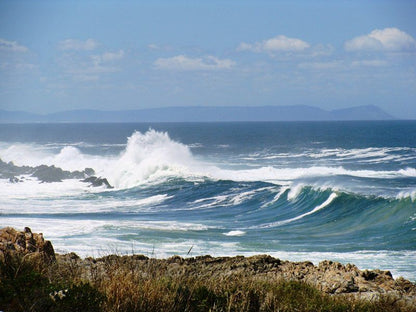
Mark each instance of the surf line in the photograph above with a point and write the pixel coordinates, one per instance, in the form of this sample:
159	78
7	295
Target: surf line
317	208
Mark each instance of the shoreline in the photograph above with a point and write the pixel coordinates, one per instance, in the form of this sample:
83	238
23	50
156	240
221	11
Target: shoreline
330	278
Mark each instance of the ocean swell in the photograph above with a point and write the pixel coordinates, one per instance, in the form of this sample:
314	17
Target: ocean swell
153	157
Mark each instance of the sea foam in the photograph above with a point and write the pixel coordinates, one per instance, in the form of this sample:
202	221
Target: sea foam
153	157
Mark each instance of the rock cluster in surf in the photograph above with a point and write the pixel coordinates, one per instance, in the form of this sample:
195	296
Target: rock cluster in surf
48	174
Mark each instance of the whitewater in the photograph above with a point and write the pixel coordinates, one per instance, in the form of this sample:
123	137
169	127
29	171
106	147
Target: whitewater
344	191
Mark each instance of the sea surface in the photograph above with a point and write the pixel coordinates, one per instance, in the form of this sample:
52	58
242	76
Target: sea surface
344	191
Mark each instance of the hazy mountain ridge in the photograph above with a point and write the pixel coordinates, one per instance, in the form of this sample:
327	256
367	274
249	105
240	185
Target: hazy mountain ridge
204	114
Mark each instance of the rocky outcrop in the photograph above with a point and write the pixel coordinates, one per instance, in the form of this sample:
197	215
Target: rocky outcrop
25	243
55	174
43	173
47	174
330	277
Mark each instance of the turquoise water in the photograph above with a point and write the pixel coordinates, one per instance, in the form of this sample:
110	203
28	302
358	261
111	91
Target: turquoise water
343	191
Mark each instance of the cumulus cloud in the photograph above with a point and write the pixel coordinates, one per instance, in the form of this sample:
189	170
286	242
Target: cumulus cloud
342	65
182	62
153	46
321	50
369	63
87	72
157	47
387	39
322	65
12	46
92	67
78	45
108	57
279	43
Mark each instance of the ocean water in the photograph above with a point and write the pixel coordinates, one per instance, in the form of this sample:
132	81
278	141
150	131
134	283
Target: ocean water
344	191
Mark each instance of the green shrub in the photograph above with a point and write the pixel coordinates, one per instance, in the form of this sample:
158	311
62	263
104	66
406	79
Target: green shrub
24	287
77	298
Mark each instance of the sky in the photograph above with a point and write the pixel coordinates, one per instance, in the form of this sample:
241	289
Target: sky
113	55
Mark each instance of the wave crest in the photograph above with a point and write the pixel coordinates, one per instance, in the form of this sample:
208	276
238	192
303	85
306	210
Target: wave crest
148	156
153	157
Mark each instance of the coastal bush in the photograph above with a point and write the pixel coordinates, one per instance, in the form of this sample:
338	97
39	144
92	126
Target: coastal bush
77	298
136	283
24	286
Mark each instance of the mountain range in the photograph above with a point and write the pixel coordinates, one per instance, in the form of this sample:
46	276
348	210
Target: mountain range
202	114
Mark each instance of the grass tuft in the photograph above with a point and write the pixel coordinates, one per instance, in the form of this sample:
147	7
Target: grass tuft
136	283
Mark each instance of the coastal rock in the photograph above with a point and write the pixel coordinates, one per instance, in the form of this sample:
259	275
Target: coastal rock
55	174
95	181
25	242
43	173
330	277
10	171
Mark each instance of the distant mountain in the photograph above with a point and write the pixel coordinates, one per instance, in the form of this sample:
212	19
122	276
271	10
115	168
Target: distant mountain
204	114
368	112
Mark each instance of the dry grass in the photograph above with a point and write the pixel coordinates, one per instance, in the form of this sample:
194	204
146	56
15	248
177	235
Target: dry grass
137	284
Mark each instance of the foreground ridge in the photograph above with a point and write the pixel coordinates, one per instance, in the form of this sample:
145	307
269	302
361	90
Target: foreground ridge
257	283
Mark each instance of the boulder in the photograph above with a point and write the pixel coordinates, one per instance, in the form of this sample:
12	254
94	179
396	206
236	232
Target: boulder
25	242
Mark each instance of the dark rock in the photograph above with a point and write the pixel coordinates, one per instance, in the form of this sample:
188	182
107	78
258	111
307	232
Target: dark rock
95	181
72	256
49	173
43	173
10	170
139	257
47	248
176	259
14	180
369	275
89	171
351	286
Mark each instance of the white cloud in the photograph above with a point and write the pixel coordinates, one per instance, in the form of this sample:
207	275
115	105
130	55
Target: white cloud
182	62
322	65
90	68
78	45
25	66
322	50
112	56
387	39
279	43
15	67
87	71
153	46
107	57
157	47
342	65
13	46
369	63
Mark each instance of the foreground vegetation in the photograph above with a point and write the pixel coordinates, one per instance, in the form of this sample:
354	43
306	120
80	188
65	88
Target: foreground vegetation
29	283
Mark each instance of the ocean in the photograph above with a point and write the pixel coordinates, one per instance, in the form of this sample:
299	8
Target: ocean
343	191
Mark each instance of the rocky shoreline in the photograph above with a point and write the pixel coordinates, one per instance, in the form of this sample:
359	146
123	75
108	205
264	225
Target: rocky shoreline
329	277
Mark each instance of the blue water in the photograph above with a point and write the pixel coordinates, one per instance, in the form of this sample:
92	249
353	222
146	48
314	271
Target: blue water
344	191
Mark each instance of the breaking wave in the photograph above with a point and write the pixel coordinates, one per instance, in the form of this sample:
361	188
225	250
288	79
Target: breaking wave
153	157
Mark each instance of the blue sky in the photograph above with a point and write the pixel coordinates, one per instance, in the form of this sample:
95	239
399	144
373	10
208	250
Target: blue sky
109	55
